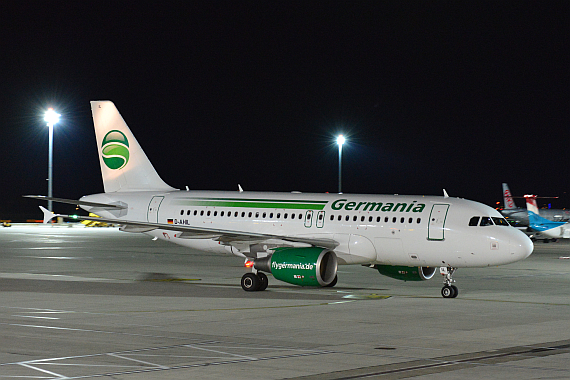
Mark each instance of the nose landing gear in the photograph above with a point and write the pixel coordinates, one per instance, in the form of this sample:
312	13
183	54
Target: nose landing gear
448	290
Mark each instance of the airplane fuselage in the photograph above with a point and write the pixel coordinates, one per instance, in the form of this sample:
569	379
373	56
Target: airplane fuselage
367	229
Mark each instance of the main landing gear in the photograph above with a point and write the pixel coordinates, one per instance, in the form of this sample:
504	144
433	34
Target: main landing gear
251	282
448	290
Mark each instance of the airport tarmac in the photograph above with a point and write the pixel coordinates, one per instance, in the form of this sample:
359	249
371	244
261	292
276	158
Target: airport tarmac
90	302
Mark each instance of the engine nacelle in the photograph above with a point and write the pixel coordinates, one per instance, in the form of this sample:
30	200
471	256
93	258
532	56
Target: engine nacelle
310	266
406	273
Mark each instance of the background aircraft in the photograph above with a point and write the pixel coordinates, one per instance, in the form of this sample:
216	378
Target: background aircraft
550	229
516	214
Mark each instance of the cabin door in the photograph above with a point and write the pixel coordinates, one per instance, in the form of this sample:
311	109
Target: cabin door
436	228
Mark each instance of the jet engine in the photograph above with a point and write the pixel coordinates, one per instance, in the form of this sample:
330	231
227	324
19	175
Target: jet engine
310	266
406	273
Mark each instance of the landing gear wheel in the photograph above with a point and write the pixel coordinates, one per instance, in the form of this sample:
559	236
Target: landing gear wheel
455	291
333	282
448	291
263	281
250	282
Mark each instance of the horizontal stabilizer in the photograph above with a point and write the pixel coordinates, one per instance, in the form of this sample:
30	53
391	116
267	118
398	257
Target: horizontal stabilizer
48	215
77	202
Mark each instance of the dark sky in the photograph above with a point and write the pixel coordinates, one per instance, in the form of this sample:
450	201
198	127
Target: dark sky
461	95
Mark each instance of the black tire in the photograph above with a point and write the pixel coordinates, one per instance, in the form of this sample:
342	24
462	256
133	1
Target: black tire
263	281
250	282
447	291
455	291
333	282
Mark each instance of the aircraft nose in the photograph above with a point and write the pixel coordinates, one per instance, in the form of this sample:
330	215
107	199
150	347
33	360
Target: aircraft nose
521	246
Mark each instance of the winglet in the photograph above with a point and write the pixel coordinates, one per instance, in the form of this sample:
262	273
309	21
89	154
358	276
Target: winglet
48	215
445	195
239	188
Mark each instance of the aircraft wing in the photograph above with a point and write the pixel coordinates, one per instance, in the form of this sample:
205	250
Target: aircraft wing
191	232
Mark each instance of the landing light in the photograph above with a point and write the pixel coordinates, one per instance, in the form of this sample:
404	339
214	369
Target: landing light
249	264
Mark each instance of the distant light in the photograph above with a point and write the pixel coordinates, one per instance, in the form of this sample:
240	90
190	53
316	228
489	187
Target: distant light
340	140
51	117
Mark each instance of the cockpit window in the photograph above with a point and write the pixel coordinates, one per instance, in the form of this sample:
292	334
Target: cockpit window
486	221
500	221
474	221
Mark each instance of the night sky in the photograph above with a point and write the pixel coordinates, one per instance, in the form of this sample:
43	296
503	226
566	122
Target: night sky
461	95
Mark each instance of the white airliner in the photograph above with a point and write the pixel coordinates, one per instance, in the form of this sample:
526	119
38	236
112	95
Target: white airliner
554	230
299	238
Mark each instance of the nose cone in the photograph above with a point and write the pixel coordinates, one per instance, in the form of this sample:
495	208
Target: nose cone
521	246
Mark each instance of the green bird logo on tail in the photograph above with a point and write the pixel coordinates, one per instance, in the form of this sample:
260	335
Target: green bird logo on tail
115	150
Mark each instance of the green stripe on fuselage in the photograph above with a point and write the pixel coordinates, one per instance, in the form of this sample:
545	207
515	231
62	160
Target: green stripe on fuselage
251	203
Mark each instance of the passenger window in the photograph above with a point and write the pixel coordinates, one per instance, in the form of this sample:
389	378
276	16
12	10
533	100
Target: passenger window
402	219
243	214
370	219
285	216
181	212
195	212
188	212
300	216
222	213
278	215
354	218
271	216
347	218
264	215
202	213
486	221
209	212
340	218
474	221
386	220
362	218
249	214
215	213
257	214
378	219
411	220
419	220
394	219
332	217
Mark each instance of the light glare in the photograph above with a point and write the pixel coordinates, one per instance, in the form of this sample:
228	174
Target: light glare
51	116
340	140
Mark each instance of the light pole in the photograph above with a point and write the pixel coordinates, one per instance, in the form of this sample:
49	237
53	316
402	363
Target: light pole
52	118
340	140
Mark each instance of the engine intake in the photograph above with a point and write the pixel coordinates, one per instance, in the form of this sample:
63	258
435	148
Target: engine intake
310	266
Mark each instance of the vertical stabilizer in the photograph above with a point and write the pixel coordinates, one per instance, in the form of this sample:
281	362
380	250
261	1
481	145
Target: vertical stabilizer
124	165
508	198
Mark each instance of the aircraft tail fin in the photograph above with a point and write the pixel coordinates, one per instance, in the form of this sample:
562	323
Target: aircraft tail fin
124	165
535	221
508	198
